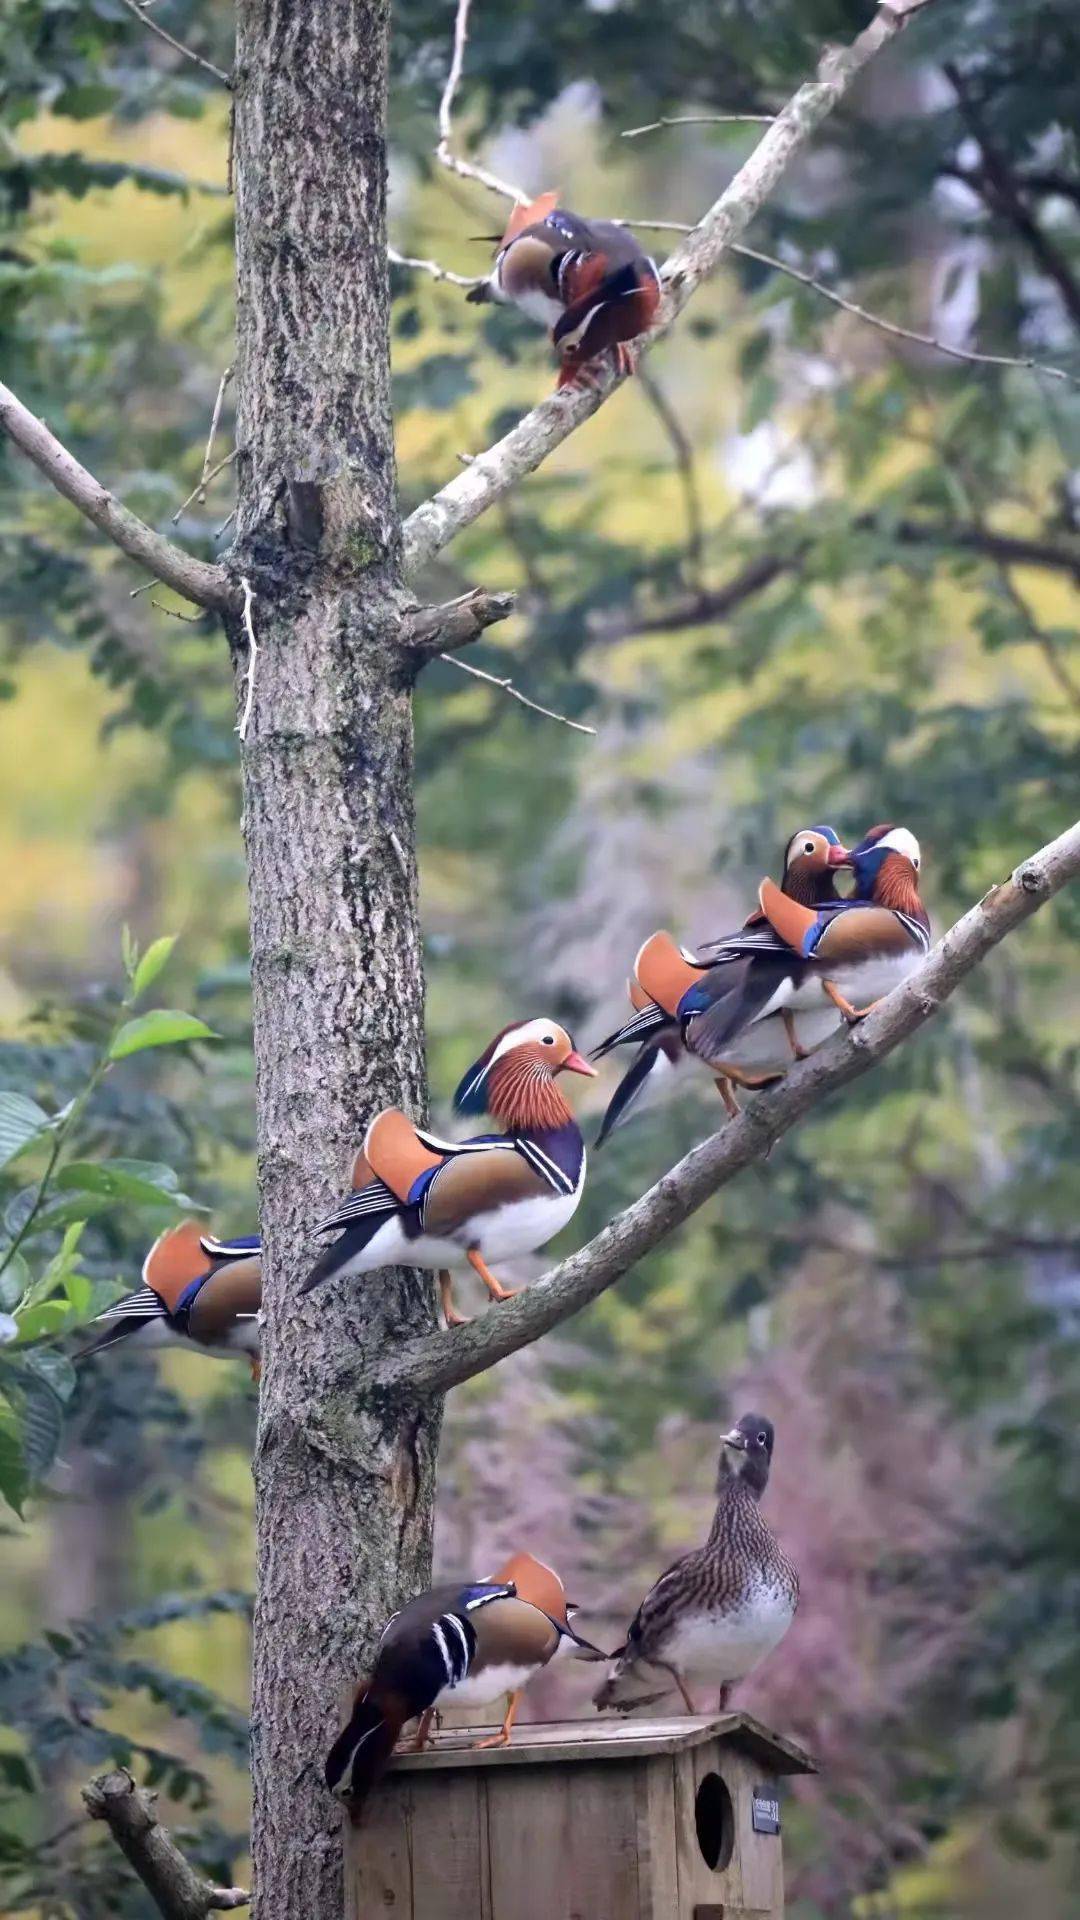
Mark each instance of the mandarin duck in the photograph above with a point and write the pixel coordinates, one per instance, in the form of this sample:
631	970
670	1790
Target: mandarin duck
468	1643
588	280
421	1201
735	1010
860	948
196	1291
716	1613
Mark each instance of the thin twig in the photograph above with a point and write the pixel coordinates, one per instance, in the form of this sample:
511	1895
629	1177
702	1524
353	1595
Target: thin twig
684	461
1040	638
702	120
507	686
178	45
905	333
432	267
443	151
227	522
253	654
198	492
192	619
214	420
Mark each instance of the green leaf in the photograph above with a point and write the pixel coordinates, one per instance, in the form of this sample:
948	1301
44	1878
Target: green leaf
154	960
22	1121
42	1322
42	1424
14	1480
111	1180
162	1028
129	952
14	1282
55	1369
55	1274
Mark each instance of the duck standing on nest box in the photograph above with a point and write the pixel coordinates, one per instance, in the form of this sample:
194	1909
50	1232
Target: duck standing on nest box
421	1201
196	1292
715	1614
736	1010
588	280
466	1644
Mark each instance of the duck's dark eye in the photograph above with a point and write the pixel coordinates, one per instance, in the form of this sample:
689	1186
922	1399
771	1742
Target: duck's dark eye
808	846
549	1039
763	1439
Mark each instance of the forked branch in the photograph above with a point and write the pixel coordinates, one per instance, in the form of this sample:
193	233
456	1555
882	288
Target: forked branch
444	1360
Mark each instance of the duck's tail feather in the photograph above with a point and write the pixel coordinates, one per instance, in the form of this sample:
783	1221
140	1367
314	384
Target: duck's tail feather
652	1061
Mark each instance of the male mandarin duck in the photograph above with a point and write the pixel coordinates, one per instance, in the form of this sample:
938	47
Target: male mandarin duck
735	1010
421	1201
196	1291
588	280
860	948
467	1643
716	1613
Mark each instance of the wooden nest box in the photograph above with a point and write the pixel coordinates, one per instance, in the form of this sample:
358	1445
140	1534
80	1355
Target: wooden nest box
580	1820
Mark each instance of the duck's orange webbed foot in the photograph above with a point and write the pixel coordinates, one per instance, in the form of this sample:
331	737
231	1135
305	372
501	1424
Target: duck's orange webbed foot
502	1737
851	1014
494	1287
797	1048
446	1300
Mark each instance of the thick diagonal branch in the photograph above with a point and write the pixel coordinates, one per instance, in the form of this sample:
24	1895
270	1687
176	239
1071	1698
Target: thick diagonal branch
491	474
444	1360
171	1881
197	580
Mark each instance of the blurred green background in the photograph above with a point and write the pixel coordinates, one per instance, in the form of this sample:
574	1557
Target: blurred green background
800	570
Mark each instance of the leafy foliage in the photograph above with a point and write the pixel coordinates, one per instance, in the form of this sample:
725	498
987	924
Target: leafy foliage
42	1307
845	588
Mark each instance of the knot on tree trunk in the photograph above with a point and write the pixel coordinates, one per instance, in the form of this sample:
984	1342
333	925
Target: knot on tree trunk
431	631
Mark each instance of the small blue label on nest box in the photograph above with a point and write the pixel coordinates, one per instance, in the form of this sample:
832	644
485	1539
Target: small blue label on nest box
766	1809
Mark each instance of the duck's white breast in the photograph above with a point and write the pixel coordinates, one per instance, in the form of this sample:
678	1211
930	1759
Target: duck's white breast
716	1646
479	1689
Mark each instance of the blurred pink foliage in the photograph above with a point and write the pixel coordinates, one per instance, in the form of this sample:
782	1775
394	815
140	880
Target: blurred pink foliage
871	1494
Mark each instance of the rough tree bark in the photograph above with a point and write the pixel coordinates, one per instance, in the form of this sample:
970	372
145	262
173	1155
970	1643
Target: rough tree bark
328	819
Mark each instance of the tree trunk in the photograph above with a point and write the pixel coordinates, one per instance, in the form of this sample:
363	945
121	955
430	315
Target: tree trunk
344	1495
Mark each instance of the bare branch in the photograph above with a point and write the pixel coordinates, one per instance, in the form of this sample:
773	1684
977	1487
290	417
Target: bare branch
198	492
206	585
244	721
177	45
176	1889
214	419
716	604
431	267
508	687
906	333
440	1361
444	152
683	451
701	120
456	623
489	476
